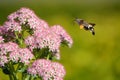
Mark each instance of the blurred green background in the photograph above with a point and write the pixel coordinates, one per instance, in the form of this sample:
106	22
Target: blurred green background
91	57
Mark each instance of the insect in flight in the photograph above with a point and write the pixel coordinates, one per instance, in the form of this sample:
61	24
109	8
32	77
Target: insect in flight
85	25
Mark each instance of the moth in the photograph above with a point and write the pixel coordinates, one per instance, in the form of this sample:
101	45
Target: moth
85	25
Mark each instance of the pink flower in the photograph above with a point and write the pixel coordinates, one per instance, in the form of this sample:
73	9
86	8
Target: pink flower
1	39
49	39
44	39
27	17
32	71
12	16
12	26
3	30
14	56
6	48
3	60
30	42
47	70
58	69
63	34
25	55
22	15
21	55
9	51
37	24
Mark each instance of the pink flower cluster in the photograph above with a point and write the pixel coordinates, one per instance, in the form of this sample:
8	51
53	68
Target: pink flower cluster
11	51
47	70
44	39
51	38
23	55
24	16
63	34
43	36
24	29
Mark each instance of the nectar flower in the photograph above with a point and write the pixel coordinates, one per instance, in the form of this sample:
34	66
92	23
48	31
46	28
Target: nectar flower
12	26
14	56
6	48
27	17
22	55
63	34
3	60
1	39
47	70
23	34
49	39
25	55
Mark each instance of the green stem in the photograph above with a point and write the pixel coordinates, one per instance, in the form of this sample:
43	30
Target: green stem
30	77
16	35
10	77
17	67
12	70
48	56
22	76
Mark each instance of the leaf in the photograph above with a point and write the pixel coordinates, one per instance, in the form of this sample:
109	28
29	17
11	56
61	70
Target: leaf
28	77
23	69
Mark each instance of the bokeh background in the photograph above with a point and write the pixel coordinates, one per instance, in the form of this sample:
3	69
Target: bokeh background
91	57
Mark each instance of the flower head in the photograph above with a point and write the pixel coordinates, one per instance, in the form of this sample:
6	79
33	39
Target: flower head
30	42
47	70
6	48
28	18
12	26
25	29
49	39
63	34
25	55
22	55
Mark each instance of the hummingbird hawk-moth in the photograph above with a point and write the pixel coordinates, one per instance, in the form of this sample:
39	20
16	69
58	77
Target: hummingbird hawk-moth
85	25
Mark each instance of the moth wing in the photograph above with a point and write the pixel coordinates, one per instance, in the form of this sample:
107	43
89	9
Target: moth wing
81	21
93	24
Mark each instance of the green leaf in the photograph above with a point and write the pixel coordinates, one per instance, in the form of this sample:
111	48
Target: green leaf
25	34
28	77
23	69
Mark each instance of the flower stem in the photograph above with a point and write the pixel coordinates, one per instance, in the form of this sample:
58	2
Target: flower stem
10	77
12	71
